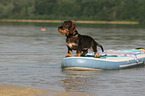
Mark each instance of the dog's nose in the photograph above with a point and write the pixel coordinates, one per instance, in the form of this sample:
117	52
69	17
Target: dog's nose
59	28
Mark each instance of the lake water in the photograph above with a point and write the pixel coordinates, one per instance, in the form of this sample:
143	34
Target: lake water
32	58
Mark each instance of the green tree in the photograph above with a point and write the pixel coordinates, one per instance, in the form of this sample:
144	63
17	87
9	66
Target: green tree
6	10
74	9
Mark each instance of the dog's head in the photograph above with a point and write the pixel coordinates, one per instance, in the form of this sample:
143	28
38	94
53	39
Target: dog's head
68	27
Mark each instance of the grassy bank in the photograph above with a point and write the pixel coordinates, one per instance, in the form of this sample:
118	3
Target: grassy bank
60	21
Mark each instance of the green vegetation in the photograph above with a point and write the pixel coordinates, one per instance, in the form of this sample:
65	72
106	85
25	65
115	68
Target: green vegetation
105	10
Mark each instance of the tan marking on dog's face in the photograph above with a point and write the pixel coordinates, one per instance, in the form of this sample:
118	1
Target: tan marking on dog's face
63	31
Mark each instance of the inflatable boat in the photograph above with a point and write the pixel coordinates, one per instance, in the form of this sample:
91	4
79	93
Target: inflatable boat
109	60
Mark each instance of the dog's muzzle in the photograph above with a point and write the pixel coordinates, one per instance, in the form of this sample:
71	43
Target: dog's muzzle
63	31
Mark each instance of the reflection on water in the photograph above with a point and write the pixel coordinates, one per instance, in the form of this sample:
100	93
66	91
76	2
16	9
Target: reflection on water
76	81
106	83
31	57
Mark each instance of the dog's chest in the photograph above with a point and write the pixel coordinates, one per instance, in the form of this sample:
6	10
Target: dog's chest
72	45
72	42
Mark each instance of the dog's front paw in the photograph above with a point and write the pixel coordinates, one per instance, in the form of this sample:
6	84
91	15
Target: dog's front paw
97	55
68	55
78	55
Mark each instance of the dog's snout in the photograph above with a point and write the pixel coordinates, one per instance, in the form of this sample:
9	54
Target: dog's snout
59	28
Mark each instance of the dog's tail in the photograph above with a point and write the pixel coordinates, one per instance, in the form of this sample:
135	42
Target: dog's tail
100	46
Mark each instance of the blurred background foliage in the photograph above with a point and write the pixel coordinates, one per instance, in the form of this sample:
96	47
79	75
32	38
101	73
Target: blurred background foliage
105	10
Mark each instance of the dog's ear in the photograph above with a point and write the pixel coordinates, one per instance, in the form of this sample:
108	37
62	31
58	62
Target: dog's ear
72	28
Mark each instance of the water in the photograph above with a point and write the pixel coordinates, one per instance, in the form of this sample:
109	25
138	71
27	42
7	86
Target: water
30	57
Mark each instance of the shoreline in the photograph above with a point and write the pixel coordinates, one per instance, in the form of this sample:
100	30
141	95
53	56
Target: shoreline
10	90
60	21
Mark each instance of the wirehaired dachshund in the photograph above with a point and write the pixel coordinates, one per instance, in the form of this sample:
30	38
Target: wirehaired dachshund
78	42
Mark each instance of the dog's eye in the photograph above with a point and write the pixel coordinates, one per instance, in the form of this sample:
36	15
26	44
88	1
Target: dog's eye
65	24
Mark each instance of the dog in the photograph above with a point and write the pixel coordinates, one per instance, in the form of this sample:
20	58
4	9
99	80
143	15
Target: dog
78	42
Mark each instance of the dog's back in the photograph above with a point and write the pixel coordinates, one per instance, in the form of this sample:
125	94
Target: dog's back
88	42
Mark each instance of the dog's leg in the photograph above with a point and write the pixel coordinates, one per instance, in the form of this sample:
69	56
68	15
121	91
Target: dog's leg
94	49
69	54
96	55
84	52
79	52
